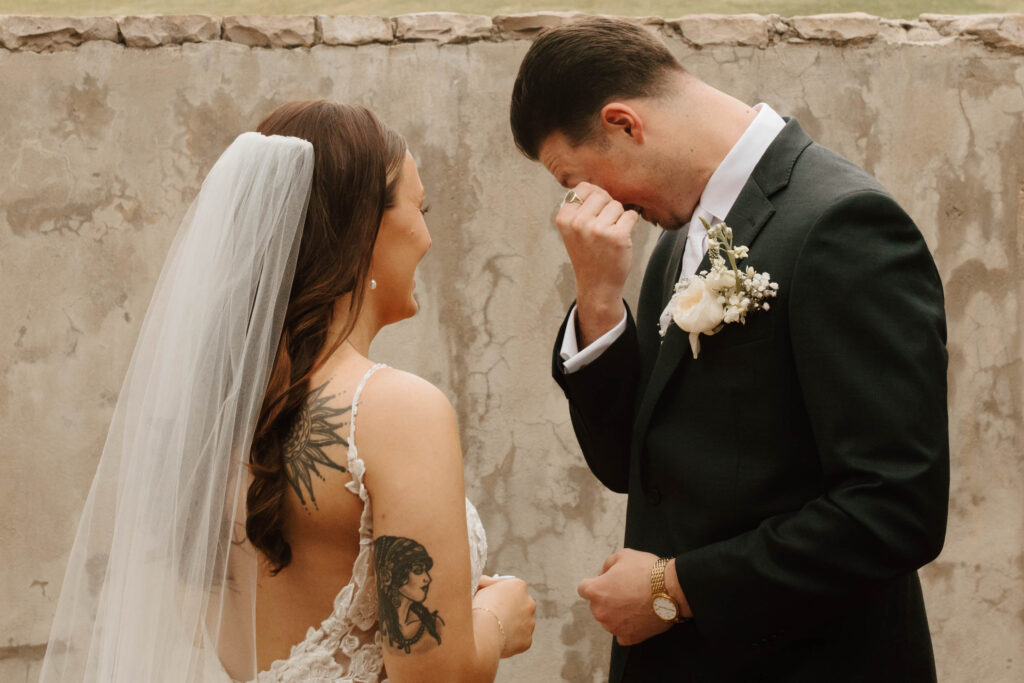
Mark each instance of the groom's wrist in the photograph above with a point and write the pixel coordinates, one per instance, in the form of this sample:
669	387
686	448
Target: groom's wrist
596	316
673	588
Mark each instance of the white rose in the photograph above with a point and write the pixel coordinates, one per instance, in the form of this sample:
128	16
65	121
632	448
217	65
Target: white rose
721	280
695	308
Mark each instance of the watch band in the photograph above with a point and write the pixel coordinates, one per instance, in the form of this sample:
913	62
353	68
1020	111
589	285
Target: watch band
658	576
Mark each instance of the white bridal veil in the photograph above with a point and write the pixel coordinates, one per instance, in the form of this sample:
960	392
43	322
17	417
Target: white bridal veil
160	584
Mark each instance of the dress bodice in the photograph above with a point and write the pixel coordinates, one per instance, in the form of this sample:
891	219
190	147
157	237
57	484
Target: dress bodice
346	647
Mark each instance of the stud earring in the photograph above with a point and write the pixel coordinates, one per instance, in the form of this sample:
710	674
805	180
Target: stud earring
373	284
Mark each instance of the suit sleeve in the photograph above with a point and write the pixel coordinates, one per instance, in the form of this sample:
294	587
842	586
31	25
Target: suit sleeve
601	404
868	334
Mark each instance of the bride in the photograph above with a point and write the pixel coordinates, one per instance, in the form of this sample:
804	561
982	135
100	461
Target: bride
239	528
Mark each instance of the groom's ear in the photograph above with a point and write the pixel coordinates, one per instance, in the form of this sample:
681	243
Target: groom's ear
621	119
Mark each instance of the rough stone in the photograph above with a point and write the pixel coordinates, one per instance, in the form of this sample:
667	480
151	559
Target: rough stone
443	27
156	30
529	25
947	24
721	29
266	31
838	29
999	31
355	30
43	34
902	31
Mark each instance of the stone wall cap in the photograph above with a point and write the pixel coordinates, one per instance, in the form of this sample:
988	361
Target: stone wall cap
45	34
443	27
725	29
287	30
896	31
1004	32
355	29
153	30
998	31
838	29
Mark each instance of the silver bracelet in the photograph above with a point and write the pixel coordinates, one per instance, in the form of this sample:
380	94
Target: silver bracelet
501	629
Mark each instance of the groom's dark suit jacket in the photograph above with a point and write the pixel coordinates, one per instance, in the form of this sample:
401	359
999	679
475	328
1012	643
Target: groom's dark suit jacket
798	470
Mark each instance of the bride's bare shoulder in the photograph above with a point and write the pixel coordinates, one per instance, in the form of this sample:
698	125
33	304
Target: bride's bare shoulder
401	415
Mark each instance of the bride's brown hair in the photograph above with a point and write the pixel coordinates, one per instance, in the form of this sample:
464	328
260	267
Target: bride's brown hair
357	161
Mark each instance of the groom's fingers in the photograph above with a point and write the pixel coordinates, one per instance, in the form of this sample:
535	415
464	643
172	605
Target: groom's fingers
593	205
627	221
584	190
609	562
591	200
610	214
569	209
583	589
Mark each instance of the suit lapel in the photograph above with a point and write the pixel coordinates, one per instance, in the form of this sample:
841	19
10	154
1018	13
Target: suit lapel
748	216
675	262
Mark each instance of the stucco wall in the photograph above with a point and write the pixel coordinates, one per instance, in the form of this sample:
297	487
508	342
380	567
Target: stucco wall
108	127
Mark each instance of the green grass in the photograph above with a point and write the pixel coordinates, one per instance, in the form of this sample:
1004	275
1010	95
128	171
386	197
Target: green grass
663	8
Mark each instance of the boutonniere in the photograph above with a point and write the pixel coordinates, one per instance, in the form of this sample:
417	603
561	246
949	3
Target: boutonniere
707	302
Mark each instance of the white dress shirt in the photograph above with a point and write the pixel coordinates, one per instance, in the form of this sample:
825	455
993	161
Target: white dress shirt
723	188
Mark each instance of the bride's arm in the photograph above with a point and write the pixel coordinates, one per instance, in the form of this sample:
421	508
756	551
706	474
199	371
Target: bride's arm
408	438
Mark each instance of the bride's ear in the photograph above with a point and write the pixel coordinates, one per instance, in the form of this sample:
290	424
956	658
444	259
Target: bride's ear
618	118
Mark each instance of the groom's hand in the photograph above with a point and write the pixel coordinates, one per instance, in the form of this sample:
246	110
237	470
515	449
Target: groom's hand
598	237
620	598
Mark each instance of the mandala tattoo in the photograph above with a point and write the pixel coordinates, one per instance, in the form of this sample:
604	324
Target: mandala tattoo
403	581
316	426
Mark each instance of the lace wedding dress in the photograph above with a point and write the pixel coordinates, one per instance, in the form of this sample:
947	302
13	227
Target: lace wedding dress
346	647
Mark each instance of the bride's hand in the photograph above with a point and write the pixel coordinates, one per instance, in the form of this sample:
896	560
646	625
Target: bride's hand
510	601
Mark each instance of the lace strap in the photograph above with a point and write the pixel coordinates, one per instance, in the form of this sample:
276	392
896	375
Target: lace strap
355	403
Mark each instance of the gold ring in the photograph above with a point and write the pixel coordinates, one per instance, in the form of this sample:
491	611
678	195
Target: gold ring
572	198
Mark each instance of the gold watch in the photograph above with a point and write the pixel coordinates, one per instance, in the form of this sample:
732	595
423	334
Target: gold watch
663	604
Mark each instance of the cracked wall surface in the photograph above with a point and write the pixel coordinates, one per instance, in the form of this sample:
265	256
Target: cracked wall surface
109	126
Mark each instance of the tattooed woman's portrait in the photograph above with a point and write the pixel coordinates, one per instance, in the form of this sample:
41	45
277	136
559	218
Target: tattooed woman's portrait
403	581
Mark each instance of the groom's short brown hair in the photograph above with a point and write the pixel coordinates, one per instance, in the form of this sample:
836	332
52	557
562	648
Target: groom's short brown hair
571	71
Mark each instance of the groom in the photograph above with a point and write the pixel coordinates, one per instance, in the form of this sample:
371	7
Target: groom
784	485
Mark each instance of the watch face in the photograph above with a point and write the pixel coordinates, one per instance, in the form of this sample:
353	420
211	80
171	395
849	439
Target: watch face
665	608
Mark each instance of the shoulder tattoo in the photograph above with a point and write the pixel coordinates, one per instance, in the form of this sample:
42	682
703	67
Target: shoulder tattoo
317	425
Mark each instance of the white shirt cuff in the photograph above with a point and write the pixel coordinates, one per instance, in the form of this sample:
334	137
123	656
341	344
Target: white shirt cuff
572	358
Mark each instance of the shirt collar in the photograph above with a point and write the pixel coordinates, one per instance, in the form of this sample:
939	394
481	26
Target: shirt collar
726	183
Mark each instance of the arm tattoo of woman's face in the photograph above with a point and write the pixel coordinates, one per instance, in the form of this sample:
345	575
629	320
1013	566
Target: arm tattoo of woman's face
317	426
403	582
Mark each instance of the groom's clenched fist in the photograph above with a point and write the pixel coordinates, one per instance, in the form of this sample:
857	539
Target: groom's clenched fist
597	232
620	598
